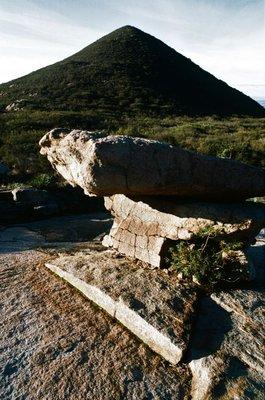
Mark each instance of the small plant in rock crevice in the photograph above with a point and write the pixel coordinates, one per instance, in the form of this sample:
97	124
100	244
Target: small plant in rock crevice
208	259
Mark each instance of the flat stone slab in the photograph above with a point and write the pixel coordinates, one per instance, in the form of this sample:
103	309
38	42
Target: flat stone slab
151	304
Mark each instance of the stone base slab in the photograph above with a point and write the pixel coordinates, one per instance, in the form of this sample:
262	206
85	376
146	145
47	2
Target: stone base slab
151	304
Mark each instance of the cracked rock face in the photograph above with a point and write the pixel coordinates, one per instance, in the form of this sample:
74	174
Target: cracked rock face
145	229
104	166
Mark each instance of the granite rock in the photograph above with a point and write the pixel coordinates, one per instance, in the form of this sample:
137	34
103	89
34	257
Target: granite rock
144	228
104	166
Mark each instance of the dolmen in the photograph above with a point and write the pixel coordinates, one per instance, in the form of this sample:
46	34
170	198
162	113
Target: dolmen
158	193
162	198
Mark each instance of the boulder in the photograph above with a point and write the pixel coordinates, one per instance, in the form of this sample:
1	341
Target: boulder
145	228
6	195
104	166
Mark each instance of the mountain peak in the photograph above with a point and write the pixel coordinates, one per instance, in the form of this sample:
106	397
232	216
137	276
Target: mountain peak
128	28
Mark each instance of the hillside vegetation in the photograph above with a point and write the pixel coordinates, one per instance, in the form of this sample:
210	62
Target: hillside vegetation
238	138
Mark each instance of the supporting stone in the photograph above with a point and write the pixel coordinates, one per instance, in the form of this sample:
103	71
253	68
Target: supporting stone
145	228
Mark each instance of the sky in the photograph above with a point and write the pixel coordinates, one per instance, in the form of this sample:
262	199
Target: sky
225	37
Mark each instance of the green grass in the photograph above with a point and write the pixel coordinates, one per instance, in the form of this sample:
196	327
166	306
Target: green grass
242	139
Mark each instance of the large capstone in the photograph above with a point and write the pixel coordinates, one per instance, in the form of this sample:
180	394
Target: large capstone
104	166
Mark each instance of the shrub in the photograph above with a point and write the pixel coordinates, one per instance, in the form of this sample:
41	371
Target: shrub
208	260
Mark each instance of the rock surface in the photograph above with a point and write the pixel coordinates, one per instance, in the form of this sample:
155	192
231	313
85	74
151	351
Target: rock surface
103	166
151	304
227	348
144	228
18	105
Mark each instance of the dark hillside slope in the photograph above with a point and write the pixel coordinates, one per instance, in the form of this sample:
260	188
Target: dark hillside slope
128	72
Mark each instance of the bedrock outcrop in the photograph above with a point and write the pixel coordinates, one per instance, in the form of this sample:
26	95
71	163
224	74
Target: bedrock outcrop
104	166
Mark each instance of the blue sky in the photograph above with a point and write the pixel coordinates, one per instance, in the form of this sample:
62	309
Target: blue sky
225	37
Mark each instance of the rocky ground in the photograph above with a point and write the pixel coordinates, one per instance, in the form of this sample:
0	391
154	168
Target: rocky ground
56	345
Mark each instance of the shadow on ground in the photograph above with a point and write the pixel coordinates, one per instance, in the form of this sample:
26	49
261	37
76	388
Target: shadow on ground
71	228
